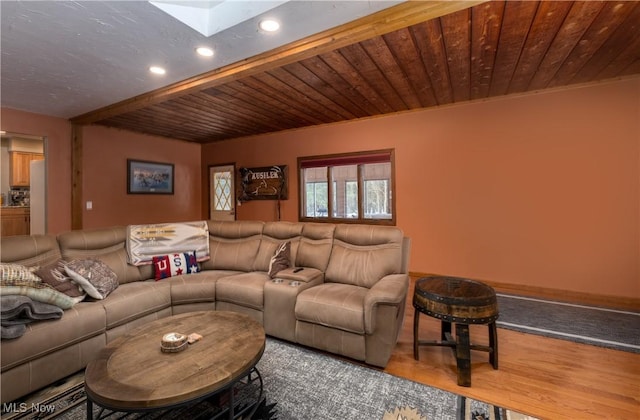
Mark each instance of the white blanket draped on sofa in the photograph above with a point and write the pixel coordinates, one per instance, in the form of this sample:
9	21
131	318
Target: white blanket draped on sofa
146	241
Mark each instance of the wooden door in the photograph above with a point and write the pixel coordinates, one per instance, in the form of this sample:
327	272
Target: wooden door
222	197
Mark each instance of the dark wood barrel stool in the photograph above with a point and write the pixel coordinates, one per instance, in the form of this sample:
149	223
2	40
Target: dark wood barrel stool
458	301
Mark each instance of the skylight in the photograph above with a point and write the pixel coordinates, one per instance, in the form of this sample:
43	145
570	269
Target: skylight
211	17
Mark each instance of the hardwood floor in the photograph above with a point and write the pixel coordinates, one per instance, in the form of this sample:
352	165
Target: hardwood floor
541	377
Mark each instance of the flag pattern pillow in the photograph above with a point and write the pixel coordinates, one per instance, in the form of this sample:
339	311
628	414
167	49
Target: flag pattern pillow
175	264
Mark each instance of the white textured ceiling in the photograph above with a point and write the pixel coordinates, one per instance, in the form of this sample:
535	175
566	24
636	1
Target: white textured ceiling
66	58
211	17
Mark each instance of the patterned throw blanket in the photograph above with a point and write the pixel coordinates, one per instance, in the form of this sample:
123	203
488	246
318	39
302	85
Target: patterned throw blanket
146	241
17	311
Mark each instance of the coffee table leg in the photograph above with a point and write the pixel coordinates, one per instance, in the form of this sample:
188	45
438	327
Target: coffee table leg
463	354
89	409
231	403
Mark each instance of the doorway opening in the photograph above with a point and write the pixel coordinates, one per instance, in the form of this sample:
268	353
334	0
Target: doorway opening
23	183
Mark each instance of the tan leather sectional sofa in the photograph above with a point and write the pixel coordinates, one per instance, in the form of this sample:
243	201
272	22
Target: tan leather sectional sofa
349	299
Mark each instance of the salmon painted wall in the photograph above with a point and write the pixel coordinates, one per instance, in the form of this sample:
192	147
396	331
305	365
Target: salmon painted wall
106	151
537	190
105	173
57	132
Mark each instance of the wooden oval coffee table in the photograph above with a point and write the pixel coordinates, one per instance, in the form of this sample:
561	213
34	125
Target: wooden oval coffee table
132	373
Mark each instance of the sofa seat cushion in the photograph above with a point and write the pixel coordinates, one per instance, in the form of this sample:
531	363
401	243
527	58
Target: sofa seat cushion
198	287
333	305
79	323
246	289
131	301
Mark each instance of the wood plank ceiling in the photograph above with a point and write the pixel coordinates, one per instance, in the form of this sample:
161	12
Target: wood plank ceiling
403	61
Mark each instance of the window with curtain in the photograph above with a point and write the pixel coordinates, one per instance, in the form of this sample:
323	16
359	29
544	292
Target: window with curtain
353	187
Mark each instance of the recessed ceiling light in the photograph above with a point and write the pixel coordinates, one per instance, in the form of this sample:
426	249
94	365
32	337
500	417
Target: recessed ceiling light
157	70
204	51
269	25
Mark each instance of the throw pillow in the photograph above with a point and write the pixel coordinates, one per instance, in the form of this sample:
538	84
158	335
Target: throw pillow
175	264
55	275
94	276
11	272
280	259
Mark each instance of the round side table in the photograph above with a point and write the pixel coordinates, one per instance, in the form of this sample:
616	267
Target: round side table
462	302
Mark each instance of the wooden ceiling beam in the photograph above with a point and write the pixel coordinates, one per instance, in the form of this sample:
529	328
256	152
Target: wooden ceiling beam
383	22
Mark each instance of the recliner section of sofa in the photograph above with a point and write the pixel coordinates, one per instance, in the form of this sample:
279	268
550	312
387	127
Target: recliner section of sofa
348	299
363	278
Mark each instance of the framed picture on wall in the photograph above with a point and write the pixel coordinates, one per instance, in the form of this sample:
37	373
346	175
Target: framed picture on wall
144	177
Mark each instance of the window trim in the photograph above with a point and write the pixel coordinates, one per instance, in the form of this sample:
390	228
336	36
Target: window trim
343	159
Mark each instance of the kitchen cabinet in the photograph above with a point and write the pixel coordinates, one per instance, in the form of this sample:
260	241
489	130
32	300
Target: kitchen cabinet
19	167
15	221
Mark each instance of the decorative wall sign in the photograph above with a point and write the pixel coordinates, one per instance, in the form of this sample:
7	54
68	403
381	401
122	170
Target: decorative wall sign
264	183
145	177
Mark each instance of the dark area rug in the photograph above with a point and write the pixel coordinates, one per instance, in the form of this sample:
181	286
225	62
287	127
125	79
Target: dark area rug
301	384
603	327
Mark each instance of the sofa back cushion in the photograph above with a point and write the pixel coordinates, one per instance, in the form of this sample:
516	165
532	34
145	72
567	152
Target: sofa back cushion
275	234
34	250
363	254
107	245
315	246
233	245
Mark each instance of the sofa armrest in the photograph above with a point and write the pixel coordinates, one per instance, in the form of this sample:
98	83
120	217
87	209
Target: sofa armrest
305	275
390	290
